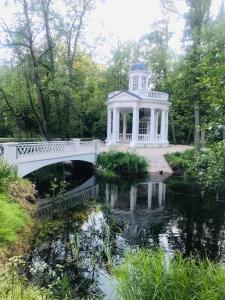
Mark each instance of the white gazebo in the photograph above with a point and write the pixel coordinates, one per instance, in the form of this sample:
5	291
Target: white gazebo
138	116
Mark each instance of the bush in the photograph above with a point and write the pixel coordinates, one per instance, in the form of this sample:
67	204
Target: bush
151	275
7	173
14	288
123	163
180	162
209	168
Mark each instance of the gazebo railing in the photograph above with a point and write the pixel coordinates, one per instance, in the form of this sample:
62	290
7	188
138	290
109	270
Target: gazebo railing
144	138
128	137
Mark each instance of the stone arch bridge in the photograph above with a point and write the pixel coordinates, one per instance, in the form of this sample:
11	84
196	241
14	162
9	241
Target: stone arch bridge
28	157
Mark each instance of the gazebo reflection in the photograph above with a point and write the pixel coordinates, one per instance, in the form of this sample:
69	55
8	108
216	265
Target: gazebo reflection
136	209
148	195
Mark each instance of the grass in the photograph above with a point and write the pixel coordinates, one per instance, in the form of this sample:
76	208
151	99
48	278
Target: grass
12	219
7	174
180	162
122	163
149	274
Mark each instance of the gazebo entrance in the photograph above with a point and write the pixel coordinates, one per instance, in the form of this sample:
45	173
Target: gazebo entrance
140	126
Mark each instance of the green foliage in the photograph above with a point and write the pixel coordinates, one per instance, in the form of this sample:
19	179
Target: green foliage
7	174
12	287
180	162
12	219
151	275
123	163
209	168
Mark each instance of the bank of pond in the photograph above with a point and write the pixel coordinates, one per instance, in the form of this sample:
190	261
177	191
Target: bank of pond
94	236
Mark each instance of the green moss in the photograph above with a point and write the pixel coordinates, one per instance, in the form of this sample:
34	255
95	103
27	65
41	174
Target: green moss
12	219
151	275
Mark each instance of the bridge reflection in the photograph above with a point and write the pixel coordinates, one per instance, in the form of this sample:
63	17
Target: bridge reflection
65	201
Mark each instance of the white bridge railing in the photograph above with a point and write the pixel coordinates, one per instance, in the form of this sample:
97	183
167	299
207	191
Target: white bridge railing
16	151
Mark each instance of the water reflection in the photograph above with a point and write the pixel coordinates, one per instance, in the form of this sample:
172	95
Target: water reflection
87	228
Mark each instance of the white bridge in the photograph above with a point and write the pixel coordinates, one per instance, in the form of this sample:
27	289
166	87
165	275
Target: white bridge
28	157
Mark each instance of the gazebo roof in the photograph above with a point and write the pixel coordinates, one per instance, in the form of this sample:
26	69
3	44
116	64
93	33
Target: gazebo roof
139	67
127	92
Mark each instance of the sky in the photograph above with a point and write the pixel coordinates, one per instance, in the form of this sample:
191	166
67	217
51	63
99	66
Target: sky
119	21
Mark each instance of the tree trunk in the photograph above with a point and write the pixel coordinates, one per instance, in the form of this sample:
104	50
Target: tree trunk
197	127
172	128
35	69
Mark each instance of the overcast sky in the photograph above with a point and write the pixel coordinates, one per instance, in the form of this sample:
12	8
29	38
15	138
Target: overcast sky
121	20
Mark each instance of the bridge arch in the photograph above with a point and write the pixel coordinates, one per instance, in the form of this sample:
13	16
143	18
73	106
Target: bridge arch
29	157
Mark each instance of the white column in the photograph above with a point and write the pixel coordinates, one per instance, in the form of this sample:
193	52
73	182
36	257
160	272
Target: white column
163	125
152	128
124	125
107	194
166	126
114	195
149	195
109	124
160	193
164	192
156	122
133	197
115	125
135	126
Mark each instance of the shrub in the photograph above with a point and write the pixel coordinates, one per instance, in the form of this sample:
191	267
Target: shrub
151	275
180	162
209	168
7	173
14	288
123	163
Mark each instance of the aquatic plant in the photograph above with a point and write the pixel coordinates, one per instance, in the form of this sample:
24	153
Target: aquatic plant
123	163
14	287
149	274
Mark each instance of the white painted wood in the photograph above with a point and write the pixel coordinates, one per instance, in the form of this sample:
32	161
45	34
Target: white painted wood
124	125
135	99
149	195
152	128
135	126
29	157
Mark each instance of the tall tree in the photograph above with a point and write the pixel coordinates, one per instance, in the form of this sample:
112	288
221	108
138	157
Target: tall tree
196	20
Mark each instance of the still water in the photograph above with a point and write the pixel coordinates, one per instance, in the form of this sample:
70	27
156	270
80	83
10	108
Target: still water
86	224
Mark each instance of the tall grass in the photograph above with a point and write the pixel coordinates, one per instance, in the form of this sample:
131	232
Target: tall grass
150	275
7	173
123	163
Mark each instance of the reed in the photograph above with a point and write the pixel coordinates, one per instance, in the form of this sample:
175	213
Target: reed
149	274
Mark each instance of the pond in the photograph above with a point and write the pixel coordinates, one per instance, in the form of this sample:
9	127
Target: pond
85	225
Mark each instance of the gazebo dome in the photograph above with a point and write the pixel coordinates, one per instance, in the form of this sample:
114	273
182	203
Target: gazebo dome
139	67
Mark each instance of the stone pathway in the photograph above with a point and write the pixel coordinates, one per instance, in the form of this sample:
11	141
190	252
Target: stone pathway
154	155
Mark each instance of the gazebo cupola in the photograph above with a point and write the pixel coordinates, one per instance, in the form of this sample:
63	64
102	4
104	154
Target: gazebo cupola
139	79
138	116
